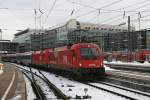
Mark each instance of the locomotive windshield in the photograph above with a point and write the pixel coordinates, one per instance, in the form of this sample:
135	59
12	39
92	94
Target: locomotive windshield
89	53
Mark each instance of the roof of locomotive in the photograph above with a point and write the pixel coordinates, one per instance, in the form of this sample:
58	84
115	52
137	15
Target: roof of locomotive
84	45
74	46
61	48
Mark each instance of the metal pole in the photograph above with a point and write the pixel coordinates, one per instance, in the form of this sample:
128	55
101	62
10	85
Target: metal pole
128	23
129	35
130	39
1	44
1	34
139	24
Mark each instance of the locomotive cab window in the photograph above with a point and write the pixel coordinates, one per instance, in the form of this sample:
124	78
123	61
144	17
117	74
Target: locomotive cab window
89	53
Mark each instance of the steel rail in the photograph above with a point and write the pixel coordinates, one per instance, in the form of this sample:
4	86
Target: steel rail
38	91
124	88
56	90
115	93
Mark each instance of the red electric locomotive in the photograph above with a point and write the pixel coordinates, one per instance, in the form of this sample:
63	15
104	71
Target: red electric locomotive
81	59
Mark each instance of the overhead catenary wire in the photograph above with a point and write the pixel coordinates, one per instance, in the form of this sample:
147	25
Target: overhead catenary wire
135	19
113	11
72	12
92	11
50	10
108	11
137	3
118	17
107	5
141	17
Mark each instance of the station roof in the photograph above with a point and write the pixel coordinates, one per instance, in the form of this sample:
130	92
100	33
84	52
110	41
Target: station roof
5	41
22	32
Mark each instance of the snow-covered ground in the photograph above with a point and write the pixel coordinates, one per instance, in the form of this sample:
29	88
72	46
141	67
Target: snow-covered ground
108	68
145	64
30	93
74	89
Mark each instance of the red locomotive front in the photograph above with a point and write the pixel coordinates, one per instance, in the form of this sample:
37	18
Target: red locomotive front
88	58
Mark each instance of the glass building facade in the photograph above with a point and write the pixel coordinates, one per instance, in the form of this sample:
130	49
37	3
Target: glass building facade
72	32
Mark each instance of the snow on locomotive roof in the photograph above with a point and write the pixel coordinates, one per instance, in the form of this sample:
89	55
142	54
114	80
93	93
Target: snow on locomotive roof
61	48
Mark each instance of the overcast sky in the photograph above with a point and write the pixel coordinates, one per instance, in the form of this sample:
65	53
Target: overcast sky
20	14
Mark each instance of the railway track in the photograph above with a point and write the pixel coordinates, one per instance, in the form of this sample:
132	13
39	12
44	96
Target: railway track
112	92
133	80
138	77
119	91
124	88
56	91
101	88
37	89
86	96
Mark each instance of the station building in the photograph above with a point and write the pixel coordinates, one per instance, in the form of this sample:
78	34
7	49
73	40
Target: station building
25	38
109	37
74	31
145	39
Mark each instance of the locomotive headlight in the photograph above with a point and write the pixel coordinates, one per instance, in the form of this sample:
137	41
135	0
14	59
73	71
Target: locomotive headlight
101	64
80	64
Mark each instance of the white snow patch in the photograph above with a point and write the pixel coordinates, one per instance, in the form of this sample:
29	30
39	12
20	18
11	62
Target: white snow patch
145	64
30	93
73	88
108	68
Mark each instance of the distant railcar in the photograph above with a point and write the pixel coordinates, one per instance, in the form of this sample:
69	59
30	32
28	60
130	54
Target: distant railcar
143	55
139	56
